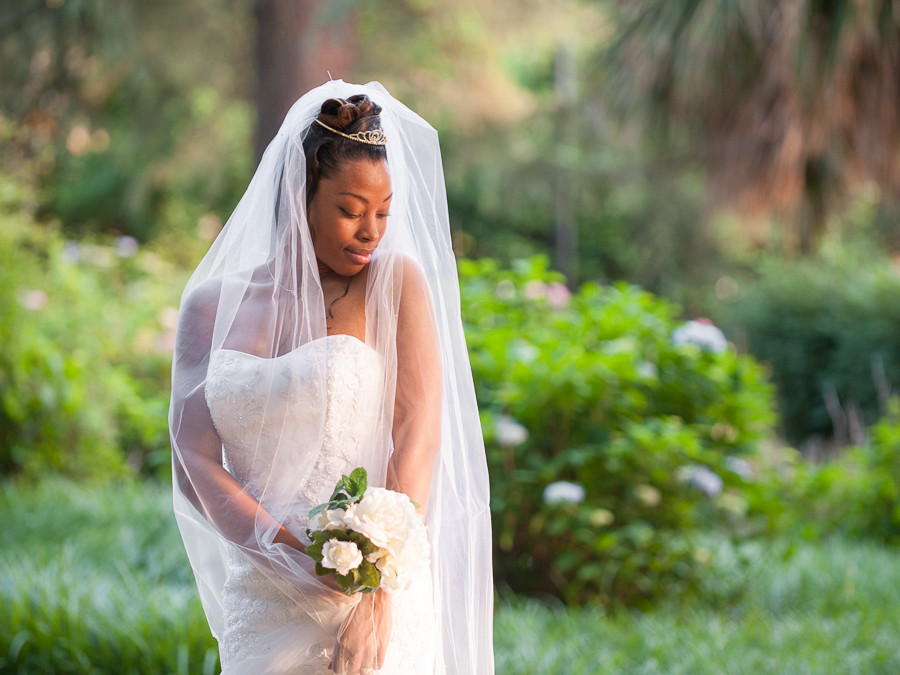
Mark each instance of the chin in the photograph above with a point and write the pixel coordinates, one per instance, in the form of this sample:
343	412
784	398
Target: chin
347	269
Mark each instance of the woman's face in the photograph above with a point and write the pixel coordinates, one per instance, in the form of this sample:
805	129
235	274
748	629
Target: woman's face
348	215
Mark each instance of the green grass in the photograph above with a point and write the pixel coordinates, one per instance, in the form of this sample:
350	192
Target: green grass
831	608
96	581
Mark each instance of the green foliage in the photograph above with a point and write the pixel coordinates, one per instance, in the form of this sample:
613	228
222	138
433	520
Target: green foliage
349	490
830	329
366	577
830	608
363	579
856	495
96	581
610	403
85	356
130	122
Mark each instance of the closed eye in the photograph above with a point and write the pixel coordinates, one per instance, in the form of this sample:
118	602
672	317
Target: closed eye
348	214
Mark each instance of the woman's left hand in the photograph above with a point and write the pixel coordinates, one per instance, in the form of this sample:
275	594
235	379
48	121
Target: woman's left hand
361	647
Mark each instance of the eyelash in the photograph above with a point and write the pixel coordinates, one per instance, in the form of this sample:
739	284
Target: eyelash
359	215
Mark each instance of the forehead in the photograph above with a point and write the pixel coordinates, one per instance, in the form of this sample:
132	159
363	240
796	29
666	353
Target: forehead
360	176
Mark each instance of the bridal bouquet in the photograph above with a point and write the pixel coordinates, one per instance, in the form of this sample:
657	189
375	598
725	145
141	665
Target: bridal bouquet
370	537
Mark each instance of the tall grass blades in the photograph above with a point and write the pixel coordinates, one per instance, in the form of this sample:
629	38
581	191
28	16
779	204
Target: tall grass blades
95	581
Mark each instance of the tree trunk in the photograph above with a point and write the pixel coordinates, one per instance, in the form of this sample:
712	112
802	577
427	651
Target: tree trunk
566	227
296	48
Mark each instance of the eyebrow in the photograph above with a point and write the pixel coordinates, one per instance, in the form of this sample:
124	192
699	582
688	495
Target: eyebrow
363	199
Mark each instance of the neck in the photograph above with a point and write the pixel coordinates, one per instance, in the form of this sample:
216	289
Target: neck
324	270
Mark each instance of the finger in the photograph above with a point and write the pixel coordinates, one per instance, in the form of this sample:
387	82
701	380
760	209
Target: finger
338	662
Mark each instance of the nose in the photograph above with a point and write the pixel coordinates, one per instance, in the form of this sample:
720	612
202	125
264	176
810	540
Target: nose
369	230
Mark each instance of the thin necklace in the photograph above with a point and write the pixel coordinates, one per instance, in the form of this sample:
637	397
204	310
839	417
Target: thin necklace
329	313
271	274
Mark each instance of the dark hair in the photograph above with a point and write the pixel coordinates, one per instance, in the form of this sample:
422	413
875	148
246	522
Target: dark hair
325	150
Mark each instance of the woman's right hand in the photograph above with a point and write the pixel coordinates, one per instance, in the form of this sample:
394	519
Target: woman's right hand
362	645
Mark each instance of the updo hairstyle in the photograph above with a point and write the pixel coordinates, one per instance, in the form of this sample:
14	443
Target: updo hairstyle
325	150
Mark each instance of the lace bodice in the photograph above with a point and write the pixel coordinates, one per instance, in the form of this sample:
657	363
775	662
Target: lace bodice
290	426
303	415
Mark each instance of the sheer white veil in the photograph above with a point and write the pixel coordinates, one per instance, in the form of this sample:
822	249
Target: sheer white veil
258	291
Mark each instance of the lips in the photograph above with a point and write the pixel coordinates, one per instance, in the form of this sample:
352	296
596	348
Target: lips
359	256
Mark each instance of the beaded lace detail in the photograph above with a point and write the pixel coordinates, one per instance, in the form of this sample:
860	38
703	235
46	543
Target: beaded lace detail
260	408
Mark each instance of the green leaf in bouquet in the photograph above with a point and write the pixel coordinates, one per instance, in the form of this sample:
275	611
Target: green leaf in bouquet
356	483
349	583
349	489
369	576
365	546
314	550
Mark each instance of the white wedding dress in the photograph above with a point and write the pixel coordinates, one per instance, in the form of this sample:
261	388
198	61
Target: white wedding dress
258	405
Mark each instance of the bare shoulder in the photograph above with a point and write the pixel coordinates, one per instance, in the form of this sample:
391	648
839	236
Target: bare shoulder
197	315
416	305
414	282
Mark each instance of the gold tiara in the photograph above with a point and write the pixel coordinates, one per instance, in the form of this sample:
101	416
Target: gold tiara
373	137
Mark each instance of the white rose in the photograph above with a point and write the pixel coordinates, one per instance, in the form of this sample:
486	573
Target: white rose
327	520
411	553
398	570
392	577
342	556
385	517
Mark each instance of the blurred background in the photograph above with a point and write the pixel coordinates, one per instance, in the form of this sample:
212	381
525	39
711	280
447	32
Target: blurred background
677	224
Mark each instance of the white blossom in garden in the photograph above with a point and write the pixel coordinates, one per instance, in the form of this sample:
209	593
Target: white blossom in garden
508	431
563	491
126	246
703	478
505	290
701	333
525	351
648	495
647	370
602	517
71	252
739	466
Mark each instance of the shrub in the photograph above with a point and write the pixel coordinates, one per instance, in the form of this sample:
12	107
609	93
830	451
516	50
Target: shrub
590	388
830	328
856	495
84	361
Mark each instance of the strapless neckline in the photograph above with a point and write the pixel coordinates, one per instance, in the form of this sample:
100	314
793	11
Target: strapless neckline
351	338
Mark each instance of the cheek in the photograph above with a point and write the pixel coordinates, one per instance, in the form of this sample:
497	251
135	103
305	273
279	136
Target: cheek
333	233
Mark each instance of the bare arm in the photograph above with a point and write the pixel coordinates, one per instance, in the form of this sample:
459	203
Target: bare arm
417	406
197	465
416	434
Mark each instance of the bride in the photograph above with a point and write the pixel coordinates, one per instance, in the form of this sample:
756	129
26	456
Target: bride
319	334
